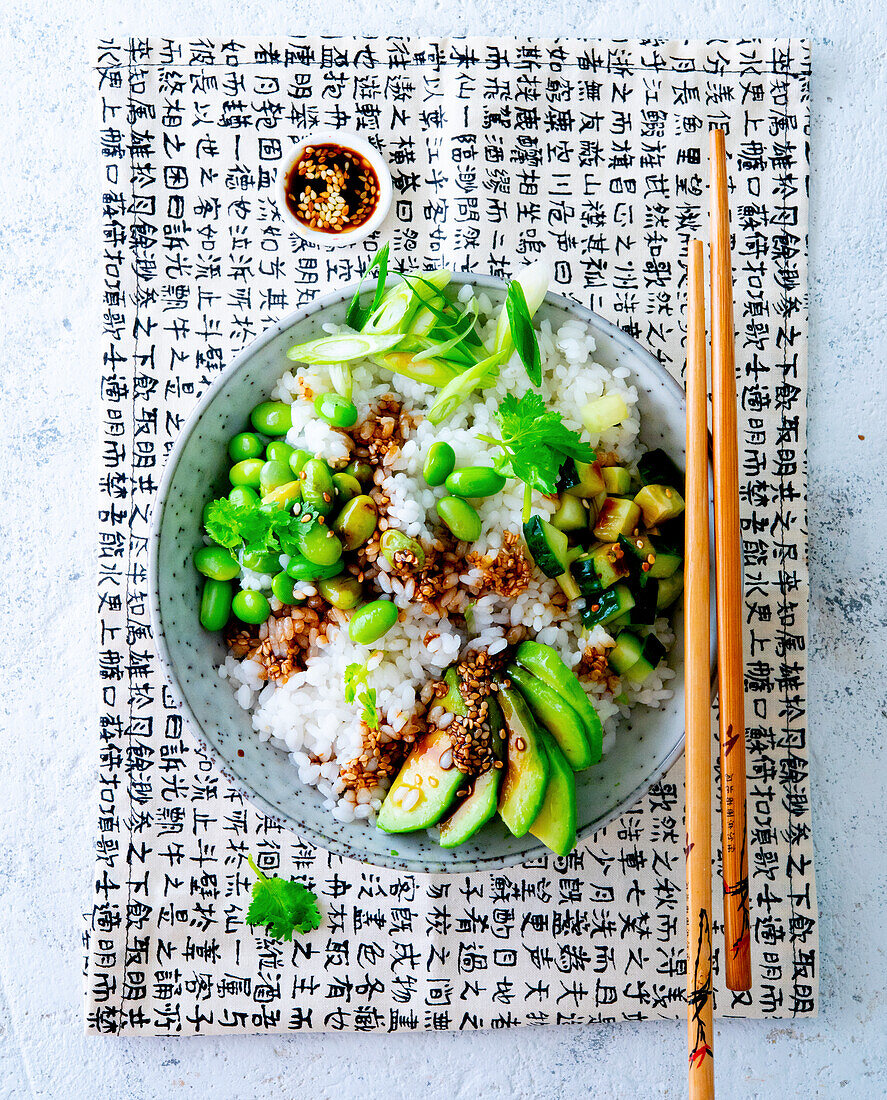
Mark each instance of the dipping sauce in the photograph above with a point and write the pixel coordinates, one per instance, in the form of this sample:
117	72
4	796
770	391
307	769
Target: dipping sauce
332	189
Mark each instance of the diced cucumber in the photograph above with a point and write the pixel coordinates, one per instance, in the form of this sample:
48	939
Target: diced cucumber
607	605
619	623
555	824
617	480
639	671
591	480
603	413
571	514
653	650
568	585
644	611
665	564
669	590
548	546
595	504
656	468
607	565
618	516
626	653
659	503
567	476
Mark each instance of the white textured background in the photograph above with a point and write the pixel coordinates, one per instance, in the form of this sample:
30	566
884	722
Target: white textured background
47	404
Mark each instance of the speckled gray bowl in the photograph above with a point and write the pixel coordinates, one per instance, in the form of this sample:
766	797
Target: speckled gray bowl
196	472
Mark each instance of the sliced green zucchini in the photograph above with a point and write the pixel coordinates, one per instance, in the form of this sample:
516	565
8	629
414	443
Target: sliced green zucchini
555	824
617	516
548	546
607	605
553	712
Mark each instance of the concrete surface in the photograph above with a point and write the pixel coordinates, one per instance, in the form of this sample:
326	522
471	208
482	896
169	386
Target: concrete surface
46	754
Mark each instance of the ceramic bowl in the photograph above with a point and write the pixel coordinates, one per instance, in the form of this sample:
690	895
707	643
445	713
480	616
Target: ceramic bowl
646	745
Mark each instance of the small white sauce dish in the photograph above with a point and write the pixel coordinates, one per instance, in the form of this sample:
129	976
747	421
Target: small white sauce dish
348	140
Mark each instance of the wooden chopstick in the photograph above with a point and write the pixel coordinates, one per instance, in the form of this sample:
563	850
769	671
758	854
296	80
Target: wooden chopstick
697	672
728	581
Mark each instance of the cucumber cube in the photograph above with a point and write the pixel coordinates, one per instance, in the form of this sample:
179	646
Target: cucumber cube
617	480
617	516
659	503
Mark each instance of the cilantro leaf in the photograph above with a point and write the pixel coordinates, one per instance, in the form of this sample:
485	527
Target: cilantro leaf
283	905
357	316
370	713
537	441
224	522
356	677
522	332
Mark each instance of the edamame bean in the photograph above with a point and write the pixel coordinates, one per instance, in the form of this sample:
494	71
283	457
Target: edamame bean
215	562
248	472
475	481
250	607
284	495
394	543
297	460
278	451
317	485
336	410
300	569
215	604
363	471
439	463
342	592
356	522
272	418
245	445
319	544
371	621
243	497
282	587
260	563
347	487
460	517
274	474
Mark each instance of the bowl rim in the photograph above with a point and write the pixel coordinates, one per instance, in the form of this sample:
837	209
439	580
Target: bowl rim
303	829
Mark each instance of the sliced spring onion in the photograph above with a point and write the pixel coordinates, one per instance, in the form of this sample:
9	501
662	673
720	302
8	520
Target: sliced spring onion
340	376
479	376
459	331
603	413
523	334
533	280
357	314
341	348
431	372
400	304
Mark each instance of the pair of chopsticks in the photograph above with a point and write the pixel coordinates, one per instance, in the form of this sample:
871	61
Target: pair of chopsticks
731	687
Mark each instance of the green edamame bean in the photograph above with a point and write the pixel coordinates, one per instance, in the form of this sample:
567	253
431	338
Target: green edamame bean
318	489
243	497
439	463
319	544
215	604
272	418
347	487
273	474
248	472
371	621
300	569
356	522
251	607
393	543
244	445
460	517
278	451
260	563
363	471
297	460
336	410
475	481
215	562
282	587
342	592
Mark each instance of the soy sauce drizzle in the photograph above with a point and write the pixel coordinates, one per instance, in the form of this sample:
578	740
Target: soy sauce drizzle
332	188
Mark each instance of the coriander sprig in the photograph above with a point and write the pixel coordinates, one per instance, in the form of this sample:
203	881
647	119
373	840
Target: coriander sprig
283	905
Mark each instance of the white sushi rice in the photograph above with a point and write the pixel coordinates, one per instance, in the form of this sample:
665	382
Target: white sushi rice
308	716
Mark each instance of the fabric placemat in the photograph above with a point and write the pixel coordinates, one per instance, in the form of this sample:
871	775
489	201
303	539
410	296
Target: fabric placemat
594	155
